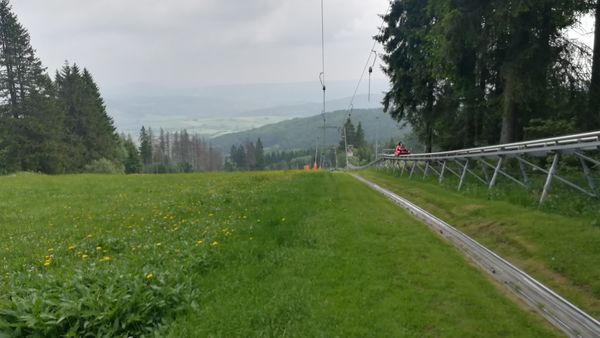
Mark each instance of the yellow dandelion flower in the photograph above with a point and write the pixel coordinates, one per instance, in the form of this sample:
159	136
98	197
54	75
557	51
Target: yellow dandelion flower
105	259
50	249
215	243
98	248
84	256
47	263
149	276
199	242
89	236
158	244
72	247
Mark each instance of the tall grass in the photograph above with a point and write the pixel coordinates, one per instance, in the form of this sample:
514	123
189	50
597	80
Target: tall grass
556	243
268	254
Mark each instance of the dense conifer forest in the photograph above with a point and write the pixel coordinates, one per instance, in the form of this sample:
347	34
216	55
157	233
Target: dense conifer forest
470	72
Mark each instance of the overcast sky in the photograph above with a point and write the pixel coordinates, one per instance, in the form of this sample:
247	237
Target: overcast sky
203	42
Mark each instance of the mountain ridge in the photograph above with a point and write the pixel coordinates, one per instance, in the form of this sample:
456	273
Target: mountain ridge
302	132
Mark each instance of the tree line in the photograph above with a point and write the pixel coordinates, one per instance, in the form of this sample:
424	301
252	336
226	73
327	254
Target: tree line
474	72
173	152
251	156
362	151
48	125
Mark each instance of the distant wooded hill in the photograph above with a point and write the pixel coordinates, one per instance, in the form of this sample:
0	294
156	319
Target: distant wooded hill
301	133
220	110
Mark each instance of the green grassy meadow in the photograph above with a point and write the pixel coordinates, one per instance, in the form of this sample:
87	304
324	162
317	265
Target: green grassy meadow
234	255
557	245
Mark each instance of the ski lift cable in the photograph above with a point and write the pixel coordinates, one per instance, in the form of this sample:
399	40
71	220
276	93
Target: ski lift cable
371	52
371	72
322	77
362	75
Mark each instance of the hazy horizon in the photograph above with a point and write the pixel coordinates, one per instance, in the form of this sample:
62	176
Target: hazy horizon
203	43
225	60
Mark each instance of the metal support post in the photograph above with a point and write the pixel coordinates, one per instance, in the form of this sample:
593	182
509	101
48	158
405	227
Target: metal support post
478	177
524	173
463	175
589	159
426	171
551	174
452	171
557	177
485	174
403	167
412	171
442	172
496	171
432	168
588	176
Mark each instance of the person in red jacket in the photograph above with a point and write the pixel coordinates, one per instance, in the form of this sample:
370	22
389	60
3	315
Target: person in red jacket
398	151
401	150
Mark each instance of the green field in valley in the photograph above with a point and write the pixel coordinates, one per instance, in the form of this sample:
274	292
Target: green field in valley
266	254
556	244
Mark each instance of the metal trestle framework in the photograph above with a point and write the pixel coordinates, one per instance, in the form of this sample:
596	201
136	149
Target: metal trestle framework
487	164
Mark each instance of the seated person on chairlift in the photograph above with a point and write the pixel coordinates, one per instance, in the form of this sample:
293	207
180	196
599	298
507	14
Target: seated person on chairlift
401	150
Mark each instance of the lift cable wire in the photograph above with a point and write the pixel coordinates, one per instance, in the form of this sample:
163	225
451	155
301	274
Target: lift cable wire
371	60
371	53
322	75
322	80
371	72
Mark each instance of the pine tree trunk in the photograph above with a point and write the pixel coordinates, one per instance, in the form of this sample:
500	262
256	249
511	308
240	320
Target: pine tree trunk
429	142
8	57
594	102
508	132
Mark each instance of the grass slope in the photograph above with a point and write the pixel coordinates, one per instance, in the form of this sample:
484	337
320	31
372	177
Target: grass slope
560	250
269	254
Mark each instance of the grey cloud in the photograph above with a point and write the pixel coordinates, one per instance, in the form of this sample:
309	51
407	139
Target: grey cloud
187	42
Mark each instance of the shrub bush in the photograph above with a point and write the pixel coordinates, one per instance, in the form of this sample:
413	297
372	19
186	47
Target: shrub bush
104	166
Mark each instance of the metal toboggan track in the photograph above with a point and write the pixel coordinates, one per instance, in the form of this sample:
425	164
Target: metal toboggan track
557	310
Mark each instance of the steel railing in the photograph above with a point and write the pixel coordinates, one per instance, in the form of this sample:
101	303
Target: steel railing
463	160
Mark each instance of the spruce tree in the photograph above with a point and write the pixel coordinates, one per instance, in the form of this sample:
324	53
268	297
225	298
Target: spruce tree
22	72
30	117
101	143
145	147
359	138
90	132
250	156
593	118
133	161
260	155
